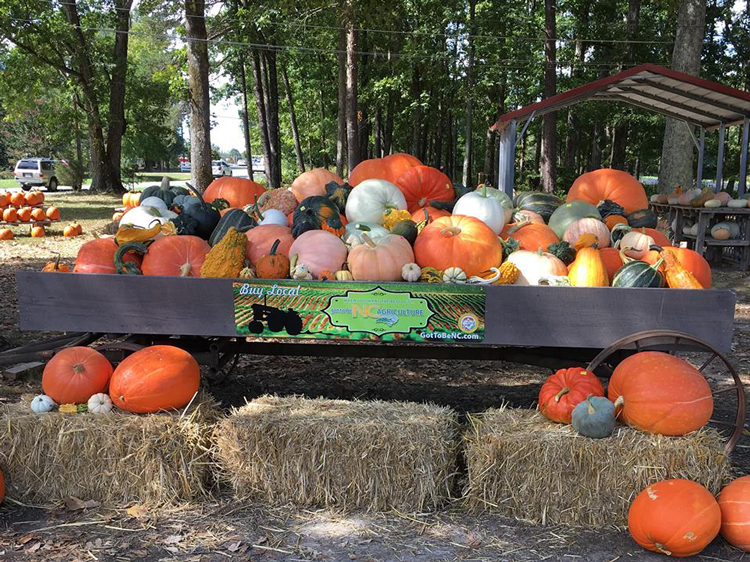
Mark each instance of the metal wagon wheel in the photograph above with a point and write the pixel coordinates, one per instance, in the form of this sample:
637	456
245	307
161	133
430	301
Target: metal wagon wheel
674	342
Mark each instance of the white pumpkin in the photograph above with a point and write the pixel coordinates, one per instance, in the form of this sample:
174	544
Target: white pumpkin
411	272
587	225
534	265
737	203
42	403
143	217
501	196
156	203
274	216
712	204
454	275
368	201
100	404
355	229
480	205
635	244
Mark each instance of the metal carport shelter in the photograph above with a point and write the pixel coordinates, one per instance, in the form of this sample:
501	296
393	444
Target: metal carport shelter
701	103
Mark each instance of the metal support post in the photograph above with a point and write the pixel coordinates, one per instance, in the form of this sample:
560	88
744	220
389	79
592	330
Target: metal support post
506	159
699	171
742	187
720	158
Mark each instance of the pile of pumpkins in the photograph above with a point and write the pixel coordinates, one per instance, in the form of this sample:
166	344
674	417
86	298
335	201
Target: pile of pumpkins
398	220
697	198
18	207
675	517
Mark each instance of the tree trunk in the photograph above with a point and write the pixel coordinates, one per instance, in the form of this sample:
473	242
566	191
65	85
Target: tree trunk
448	171
595	158
363	118
378	143
416	118
677	151
271	98
549	134
200	104
261	106
467	179
341	134
352	126
323	140
438	148
293	120
537	154
246	119
388	136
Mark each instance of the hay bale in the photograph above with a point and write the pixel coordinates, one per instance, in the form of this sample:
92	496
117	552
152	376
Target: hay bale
524	466
373	455
115	458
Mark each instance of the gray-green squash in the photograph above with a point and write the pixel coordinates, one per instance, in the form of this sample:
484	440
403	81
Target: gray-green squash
594	417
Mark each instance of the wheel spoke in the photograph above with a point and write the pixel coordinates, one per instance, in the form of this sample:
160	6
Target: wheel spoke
714	356
676	343
723	390
719	422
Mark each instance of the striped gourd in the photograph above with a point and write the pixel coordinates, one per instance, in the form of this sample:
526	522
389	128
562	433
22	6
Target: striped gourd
638	274
538	202
236	218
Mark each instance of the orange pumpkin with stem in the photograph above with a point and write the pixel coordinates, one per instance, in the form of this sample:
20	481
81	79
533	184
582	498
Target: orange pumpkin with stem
611	184
24	214
10	215
734	502
75	374
38	232
313	182
6	234
17	199
38	214
55	266
690	260
273	265
181	256
676	275
674	517
564	390
423	184
261	238
613	220
70	231
98	256
239	192
53	213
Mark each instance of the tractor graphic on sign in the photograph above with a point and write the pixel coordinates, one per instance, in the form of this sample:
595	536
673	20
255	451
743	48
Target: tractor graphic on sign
276	320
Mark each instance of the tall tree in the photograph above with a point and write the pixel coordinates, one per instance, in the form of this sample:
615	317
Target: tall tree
549	130
261	108
293	120
468	146
341	112
246	119
352	126
677	150
200	105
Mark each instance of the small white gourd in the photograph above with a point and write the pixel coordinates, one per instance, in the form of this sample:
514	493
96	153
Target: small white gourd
42	403
687	229
712	204
694	229
454	275
655	198
411	272
555	281
100	404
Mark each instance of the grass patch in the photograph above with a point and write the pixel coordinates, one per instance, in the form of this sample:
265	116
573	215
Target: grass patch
157	176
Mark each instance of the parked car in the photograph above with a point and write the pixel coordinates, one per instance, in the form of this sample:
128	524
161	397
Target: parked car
259	165
185	167
36	172
220	168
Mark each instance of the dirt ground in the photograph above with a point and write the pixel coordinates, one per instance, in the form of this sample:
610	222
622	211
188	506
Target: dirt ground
232	530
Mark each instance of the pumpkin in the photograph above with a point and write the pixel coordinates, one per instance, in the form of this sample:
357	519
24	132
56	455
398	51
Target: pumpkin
280	199
607	208
380	260
317	213
544	204
588	269
406	228
690	260
70	230
458	241
17	199
568	213
594	417
684	199
411	272
344	274
273	265
4	199
261	239
369	200
38	215
638	274
674	517
612	260
176	255
313	183
423	184
428	214
10	215
389	168
587	226
227	257
586	240
534	265
55	266
734	502
722	197
6	234
319	250
609	184
563	251
233	218
97	256
163	192
480	204
24	214
660	393
41	404
34	197
636	244
676	275
204	214
100	404
454	275
238	192
641	218
126	198
272	216
338	194
533	236
613	220
659	238
564	390
74	374
155	203
712	204
353	231
155	378
725	230
738	204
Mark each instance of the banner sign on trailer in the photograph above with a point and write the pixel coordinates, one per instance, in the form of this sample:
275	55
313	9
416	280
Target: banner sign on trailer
359	311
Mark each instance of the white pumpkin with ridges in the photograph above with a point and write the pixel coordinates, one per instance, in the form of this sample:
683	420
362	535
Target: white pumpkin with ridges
481	205
369	199
42	404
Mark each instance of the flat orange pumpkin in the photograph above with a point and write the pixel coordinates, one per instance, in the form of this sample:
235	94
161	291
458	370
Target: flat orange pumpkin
237	191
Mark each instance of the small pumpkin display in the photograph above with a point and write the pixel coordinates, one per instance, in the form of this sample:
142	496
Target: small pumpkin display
70	230
100	404
155	378
587	226
313	183
41	404
227	257
734	502
74	374
588	269
319	250
238	192
344	274
609	184
38	215
370	199
638	274
380	260
564	390
534	265
568	213
10	215
98	256
261	238
660	393
423	184
181	256
594	417
273	265
480	204
17	198
674	517
317	213
6	234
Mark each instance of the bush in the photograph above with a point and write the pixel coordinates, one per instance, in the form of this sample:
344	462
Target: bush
71	174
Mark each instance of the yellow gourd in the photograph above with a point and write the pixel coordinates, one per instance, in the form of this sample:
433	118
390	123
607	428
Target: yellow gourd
508	274
227	257
129	233
392	216
588	269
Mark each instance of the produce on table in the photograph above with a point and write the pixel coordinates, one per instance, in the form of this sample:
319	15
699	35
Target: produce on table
734	502
24	214
725	230
344	274
313	183
705	196
422	185
660	393
42	404
594	417
10	215
74	374
238	192
564	390
674	517
369	200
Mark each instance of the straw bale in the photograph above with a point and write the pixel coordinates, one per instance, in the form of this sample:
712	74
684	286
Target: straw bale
370	455
522	465
115	458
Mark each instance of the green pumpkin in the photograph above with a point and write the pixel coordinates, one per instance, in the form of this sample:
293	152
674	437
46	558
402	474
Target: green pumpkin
568	213
406	228
237	218
607	208
317	213
543	204
594	417
638	274
204	214
642	218
185	224
163	192
563	251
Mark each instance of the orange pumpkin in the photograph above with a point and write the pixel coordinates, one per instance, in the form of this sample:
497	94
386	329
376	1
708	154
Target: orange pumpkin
458	241
17	199
533	236
428	214
398	163
389	168
239	192
674	517
313	182
98	256
273	265
734	502
181	256
607	183
53	213
588	269
55	266
564	390
37	232
613	220
70	231
659	238
690	260
10	215
38	215
75	374
24	214
156	378
6	234
423	184
612	261
34	198
261	239
4	199
660	393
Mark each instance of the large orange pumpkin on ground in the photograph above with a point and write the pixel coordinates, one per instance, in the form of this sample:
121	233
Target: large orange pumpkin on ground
75	374
98	256
734	502
564	390
690	260
313	182
607	183
160	377
660	393
181	256
458	241
423	184
237	191
674	517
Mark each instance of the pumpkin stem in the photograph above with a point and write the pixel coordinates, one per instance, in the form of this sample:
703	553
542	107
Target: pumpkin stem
165	183
562	393
274	247
367	240
128	268
661	549
592	411
422	202
620	401
523	220
256	208
79	369
198	194
293	263
185	269
450	231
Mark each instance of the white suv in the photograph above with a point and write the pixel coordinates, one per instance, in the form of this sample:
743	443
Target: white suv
220	168
36	172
